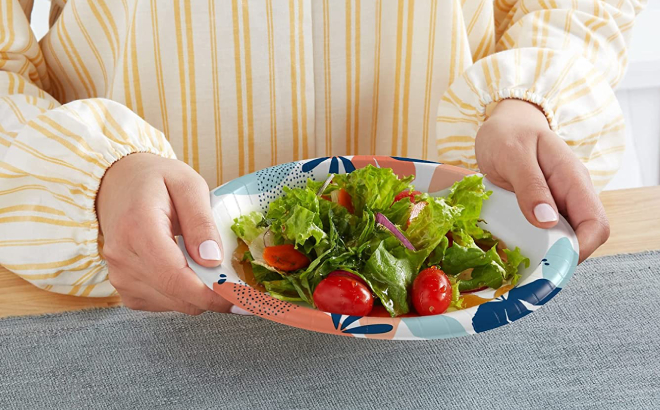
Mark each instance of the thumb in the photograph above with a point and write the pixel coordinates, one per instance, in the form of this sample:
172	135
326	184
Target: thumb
190	196
533	194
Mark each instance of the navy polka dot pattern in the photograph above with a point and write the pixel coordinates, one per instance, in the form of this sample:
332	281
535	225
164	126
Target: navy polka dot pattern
261	304
271	180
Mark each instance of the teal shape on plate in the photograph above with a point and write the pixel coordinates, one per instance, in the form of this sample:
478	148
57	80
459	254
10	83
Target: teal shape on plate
560	262
434	327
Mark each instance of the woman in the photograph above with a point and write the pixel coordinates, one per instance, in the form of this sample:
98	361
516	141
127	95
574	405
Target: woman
232	87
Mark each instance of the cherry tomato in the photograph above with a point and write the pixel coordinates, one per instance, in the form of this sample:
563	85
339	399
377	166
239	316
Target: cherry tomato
406	194
285	257
431	292
344	199
340	292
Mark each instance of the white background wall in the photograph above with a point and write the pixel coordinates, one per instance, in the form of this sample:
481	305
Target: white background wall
638	94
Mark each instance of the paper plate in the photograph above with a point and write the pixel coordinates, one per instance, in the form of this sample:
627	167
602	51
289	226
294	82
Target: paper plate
553	254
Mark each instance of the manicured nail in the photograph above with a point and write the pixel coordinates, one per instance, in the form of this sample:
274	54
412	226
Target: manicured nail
210	251
545	213
238	311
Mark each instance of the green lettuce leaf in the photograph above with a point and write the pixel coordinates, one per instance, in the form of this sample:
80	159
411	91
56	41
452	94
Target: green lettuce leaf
514	259
390	274
399	212
468	195
431	225
372	187
296	217
249	226
262	274
491	275
283	289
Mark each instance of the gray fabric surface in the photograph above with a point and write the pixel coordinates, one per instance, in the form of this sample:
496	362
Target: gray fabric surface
596	345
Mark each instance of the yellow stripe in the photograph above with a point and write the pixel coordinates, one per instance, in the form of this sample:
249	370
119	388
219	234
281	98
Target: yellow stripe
193	88
594	137
239	89
487	77
216	95
461	103
454	120
88	275
406	85
53	275
59	197
294	81
74	290
397	79
90	43
111	20
58	63
88	290
40	242
248	83
82	190
14	107
48	221
356	118
603	173
105	29
429	79
586	90
303	95
103	118
327	78
562	76
599	154
456	138
10	26
136	71
460	163
376	86
482	48
445	150
476	16
271	84
182	79
32	208
159	68
85	77
544	32
37	154
349	78
87	156
128	97
588	115
452	54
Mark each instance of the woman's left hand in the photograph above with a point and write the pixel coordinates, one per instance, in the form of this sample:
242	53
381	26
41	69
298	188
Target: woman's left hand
517	151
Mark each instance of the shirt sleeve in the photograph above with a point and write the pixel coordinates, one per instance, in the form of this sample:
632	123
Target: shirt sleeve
52	159
562	55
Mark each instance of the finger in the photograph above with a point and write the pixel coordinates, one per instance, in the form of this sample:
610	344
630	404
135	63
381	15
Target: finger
190	195
173	278
576	197
532	191
591	234
149	299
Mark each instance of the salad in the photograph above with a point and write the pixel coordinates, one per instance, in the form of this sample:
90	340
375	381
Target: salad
366	238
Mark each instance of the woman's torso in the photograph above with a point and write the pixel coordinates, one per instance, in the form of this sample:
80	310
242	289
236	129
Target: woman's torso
237	86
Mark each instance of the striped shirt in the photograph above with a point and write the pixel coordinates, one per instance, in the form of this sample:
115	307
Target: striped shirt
234	86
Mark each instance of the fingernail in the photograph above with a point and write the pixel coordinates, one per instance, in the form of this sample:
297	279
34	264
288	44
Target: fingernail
238	311
545	213
210	251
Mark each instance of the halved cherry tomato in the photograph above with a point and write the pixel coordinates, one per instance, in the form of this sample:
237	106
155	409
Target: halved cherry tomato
431	292
344	199
406	194
340	292
285	257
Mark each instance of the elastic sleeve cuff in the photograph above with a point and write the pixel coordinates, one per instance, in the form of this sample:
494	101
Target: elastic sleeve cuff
53	172
577	100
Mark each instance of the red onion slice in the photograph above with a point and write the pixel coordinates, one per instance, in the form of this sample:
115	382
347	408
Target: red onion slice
382	219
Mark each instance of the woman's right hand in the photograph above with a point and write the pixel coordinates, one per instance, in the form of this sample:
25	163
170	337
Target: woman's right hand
143	202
